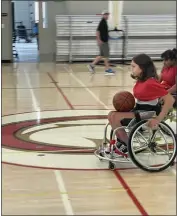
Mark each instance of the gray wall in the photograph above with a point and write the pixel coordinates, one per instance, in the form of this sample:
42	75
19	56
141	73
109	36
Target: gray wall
85	7
149	7
6	31
23	10
48	35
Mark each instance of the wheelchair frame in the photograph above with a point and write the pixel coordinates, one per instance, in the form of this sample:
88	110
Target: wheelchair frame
131	129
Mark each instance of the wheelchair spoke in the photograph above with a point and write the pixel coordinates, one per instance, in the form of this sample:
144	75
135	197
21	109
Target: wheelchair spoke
141	149
165	140
166	153
139	133
154	132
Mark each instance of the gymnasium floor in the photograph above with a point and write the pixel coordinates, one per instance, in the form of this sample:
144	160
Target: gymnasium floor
61	111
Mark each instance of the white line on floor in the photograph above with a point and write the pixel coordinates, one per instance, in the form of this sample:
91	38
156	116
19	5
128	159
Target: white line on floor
34	100
71	73
63	191
173	171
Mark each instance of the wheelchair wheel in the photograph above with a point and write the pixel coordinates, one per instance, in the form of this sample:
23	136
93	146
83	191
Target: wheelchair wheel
152	150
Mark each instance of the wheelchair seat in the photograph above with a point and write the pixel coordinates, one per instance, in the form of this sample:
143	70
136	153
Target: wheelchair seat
139	115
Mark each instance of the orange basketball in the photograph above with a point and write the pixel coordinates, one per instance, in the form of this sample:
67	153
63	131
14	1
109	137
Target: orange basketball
123	101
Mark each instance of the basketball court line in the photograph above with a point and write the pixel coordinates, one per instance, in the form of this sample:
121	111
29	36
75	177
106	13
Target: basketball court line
35	103
130	193
67	169
63	193
31	88
61	92
71	73
174	171
83	105
116	172
58	176
42	111
68	87
78	191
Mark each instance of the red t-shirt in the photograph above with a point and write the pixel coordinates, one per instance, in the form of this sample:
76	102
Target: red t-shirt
168	76
149	90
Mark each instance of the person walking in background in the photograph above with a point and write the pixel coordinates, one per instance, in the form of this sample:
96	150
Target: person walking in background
102	36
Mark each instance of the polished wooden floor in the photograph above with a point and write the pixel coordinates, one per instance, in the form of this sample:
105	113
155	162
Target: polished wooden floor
37	99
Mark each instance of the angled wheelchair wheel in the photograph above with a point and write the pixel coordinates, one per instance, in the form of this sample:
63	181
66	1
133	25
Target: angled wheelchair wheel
152	150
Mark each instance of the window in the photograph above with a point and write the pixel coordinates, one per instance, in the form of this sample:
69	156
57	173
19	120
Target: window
44	13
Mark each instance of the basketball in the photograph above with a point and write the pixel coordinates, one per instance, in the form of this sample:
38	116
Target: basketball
123	101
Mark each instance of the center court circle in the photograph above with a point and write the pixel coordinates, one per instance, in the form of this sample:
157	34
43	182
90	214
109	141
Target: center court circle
64	139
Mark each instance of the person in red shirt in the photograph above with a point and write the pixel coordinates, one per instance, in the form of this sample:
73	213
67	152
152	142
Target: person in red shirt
168	76
147	92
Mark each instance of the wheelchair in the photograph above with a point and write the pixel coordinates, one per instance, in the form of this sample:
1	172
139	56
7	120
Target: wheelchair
152	150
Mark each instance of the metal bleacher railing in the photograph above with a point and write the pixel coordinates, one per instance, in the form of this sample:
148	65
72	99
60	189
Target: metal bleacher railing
152	34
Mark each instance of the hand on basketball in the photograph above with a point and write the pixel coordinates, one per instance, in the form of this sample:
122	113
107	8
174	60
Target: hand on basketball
153	123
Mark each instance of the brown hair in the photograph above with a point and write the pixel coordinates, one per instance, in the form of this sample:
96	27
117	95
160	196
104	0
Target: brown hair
169	54
147	66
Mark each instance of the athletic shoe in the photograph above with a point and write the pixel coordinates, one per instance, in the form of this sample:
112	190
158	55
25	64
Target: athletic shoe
91	68
121	148
109	72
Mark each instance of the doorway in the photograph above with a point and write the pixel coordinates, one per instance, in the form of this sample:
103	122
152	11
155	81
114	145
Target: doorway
25	31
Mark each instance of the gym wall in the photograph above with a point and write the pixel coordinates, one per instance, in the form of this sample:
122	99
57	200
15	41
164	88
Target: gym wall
149	7
6	29
48	35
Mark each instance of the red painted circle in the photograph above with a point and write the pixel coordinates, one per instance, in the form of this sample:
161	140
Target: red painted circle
11	141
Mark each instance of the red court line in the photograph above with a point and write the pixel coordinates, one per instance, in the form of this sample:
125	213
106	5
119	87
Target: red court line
68	169
130	193
64	169
41	111
61	92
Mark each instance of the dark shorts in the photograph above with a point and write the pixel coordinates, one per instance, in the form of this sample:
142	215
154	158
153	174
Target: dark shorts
104	50
142	107
146	107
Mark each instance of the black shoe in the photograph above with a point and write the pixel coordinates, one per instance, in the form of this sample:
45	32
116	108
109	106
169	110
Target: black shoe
121	146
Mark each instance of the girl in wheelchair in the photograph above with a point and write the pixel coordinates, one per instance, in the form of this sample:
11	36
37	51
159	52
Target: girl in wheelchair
147	92
169	72
168	76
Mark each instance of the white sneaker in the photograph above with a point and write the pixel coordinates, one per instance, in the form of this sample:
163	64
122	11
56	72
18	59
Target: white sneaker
91	68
